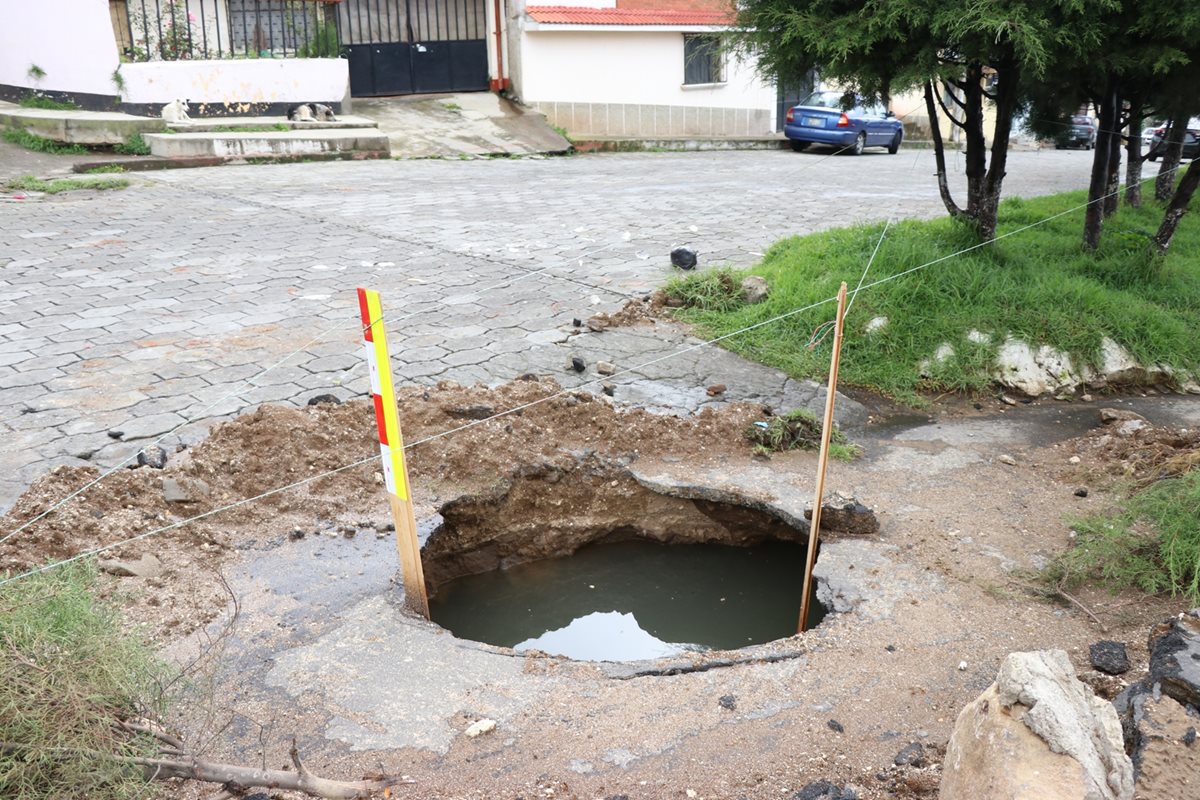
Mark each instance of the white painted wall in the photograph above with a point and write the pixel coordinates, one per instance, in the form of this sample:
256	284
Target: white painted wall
643	67
72	40
253	80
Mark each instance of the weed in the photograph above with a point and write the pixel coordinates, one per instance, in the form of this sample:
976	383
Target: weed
106	168
135	145
39	100
799	430
29	183
69	674
118	80
714	290
32	141
452	106
1038	286
561	131
35	73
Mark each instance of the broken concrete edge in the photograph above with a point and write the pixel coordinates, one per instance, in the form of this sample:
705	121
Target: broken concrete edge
150	163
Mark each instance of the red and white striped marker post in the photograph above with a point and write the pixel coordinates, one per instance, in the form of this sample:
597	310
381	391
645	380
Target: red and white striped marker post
391	450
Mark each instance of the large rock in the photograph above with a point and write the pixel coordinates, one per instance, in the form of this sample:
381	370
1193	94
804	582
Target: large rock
754	289
1019	367
1161	737
1037	733
1175	658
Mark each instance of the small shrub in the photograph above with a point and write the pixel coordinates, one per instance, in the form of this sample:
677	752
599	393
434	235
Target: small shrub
1153	544
135	145
39	100
32	141
322	42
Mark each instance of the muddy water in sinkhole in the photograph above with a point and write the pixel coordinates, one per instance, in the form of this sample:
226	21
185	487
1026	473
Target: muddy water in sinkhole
633	600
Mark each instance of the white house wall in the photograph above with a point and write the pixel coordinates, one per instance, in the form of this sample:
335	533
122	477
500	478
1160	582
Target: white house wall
71	41
630	83
237	86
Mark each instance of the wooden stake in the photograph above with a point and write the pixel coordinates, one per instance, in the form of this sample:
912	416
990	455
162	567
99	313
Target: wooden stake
391	451
823	458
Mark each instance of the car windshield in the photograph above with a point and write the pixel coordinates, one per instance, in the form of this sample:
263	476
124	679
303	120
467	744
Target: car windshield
1081	120
825	100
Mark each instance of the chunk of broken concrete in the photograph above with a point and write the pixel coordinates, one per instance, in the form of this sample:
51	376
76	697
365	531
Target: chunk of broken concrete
754	289
176	492
145	567
1109	657
852	518
1037	732
154	457
1110	415
1175	657
480	727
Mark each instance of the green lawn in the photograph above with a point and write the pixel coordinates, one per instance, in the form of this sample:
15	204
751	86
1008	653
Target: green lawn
1037	285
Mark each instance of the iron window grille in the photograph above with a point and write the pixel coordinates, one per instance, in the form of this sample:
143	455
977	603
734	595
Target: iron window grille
178	30
703	60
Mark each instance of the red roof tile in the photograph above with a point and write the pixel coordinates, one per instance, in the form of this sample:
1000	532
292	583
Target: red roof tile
574	15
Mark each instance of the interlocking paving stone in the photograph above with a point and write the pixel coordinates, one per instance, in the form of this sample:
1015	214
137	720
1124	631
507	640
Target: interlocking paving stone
198	279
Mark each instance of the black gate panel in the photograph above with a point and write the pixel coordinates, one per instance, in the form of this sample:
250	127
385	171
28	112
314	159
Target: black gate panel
414	46
450	66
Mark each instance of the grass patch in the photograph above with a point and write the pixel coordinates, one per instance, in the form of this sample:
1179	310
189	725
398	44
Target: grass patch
278	126
105	169
69	673
30	141
29	183
1153	544
799	430
135	145
1038	285
39	100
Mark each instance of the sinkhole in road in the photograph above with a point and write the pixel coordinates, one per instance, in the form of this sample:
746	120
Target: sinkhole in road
593	560
633	600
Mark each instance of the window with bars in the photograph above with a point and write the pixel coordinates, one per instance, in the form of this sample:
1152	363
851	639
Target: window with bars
703	61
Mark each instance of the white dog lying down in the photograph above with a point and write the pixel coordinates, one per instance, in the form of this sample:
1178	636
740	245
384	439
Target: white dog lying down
311	112
176	111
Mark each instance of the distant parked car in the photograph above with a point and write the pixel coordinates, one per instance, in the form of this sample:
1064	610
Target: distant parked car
823	118
1191	141
1081	133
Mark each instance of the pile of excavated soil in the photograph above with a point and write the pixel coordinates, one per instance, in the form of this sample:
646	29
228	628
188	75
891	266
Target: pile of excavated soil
1133	450
461	440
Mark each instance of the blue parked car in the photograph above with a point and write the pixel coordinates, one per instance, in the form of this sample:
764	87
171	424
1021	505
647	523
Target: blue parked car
823	119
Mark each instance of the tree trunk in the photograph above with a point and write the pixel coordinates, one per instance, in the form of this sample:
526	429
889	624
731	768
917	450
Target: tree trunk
1007	80
1133	158
1094	216
976	155
1112	188
1164	184
1177	207
939	153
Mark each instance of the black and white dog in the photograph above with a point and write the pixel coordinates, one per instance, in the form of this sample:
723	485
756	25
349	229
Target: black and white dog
311	112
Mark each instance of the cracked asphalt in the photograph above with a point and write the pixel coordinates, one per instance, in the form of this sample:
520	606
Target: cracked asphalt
158	306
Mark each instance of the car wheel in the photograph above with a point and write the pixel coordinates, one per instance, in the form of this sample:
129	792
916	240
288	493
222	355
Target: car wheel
894	147
860	144
799	147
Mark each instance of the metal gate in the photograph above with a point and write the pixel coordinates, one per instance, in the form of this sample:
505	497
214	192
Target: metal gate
414	46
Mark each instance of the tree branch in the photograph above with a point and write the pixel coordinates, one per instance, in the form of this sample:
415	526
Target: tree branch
938	97
231	775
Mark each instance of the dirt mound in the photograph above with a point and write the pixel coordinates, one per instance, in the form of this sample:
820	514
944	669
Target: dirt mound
1134	450
461	439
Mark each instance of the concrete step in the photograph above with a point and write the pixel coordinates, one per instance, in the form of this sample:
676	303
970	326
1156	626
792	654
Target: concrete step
222	124
267	143
77	127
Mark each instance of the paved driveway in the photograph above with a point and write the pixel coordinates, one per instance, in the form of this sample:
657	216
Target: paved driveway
136	311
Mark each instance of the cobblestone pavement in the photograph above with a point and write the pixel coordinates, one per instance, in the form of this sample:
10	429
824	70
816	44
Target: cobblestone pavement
140	310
